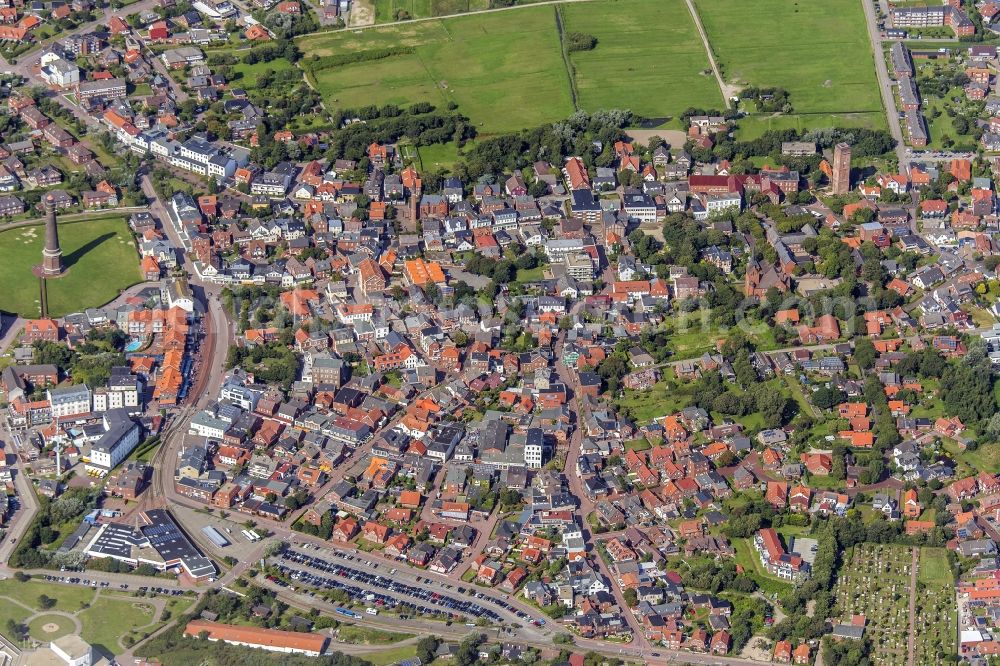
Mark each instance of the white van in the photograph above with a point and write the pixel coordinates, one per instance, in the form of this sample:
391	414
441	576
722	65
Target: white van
372	611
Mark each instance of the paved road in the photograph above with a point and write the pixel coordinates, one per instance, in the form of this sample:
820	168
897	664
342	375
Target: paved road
569	377
885	84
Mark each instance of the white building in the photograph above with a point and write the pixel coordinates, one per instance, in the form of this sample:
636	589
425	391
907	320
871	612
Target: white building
59	72
71	650
178	295
121	436
719	203
207	425
69	401
534	448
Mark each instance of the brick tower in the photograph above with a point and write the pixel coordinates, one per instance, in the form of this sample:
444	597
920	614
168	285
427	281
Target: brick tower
841	180
52	254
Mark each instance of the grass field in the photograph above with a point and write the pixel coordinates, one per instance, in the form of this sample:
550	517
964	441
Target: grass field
819	52
99	247
985	458
439	155
247	74
68	597
934	568
506	71
352	633
503	70
8	612
385	10
60	626
666	397
108	619
648	58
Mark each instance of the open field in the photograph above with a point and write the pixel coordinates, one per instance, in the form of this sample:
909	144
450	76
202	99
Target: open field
504	70
934	567
648	58
985	458
97	247
386	10
439	155
246	75
818	52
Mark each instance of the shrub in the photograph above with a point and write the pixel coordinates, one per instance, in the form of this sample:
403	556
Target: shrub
579	41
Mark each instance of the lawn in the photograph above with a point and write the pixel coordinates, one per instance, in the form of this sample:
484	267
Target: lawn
666	397
819	52
395	655
68	597
353	633
109	619
504	70
49	627
97	247
440	156
648	58
984	459
934	568
530	274
8	612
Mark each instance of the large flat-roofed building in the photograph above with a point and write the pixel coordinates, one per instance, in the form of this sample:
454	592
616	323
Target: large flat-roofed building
105	88
275	640
65	651
158	542
918	17
931	17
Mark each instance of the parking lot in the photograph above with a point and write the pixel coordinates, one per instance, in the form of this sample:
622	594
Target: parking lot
379	591
96	584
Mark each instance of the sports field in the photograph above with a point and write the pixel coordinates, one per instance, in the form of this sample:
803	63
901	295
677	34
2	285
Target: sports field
100	256
818	52
504	70
648	58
